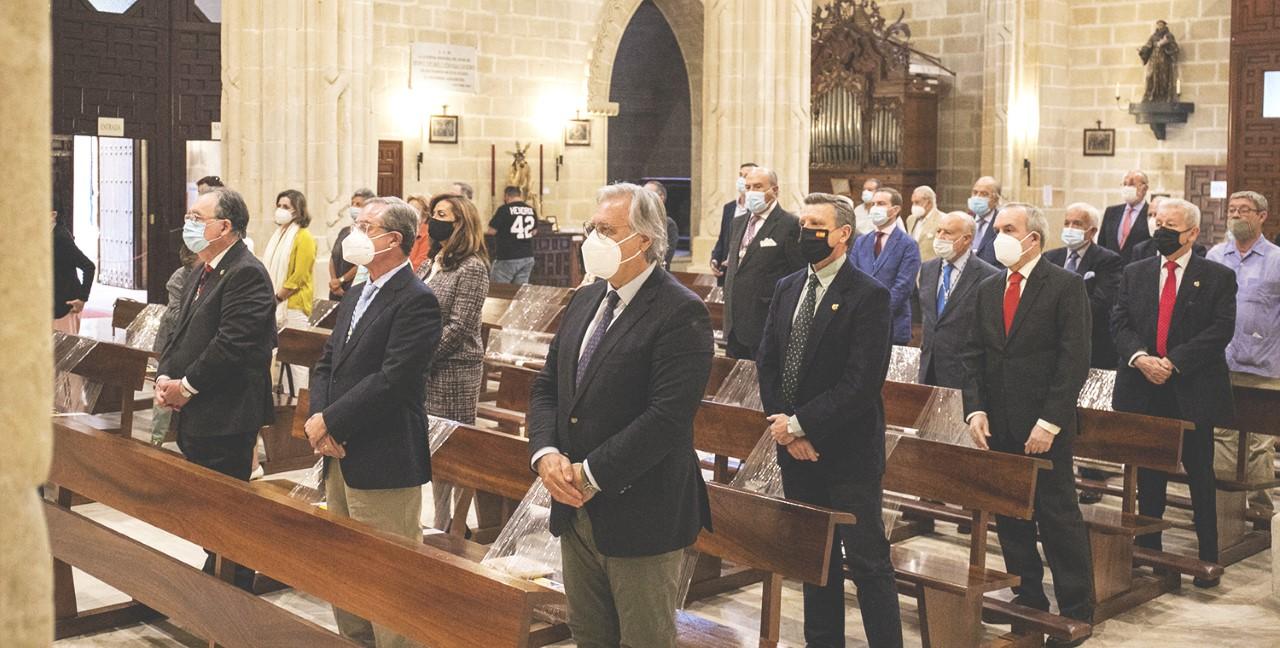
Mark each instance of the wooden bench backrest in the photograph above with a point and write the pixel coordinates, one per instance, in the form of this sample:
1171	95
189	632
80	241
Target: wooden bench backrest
1257	409
515	387
301	346
492	462
425	593
727	430
125	311
721	366
493	309
114	364
503	290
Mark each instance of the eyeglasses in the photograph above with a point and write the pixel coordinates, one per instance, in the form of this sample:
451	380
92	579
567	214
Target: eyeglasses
606	231
365	227
192	217
1243	211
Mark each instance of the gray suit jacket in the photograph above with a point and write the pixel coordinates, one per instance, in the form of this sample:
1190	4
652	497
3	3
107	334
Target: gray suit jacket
749	284
949	332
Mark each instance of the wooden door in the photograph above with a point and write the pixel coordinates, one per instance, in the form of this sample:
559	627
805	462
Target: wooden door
1213	211
391	168
1253	149
118	162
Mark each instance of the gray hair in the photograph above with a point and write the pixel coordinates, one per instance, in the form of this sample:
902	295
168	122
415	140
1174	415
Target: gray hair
648	217
231	207
467	190
1035	218
773	175
1095	217
1259	201
966	219
1190	213
399	216
928	192
1141	176
658	188
841	204
365	193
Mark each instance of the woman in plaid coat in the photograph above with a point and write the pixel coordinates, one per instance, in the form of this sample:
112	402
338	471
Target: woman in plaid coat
459	276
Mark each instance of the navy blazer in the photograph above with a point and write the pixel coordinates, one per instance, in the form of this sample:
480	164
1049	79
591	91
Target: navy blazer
838	401
370	386
631	416
987	246
947	332
726	226
1101	270
896	269
1204	321
222	345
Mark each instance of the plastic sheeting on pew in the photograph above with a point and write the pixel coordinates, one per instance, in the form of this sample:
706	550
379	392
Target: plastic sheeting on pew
526	549
517	346
141	332
72	394
533	308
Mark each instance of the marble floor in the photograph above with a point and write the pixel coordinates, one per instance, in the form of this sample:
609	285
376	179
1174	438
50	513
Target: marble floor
1242	611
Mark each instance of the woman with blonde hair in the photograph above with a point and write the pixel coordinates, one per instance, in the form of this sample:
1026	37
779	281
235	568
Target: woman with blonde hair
458	274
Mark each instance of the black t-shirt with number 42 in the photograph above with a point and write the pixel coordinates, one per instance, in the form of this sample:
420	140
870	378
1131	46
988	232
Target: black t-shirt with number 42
516	223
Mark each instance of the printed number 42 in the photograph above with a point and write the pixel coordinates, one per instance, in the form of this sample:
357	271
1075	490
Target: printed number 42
523	227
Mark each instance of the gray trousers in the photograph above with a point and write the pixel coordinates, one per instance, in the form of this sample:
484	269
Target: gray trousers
395	510
1261	459
627	602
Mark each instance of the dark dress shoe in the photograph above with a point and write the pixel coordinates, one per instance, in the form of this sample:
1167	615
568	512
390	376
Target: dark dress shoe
1205	583
1090	497
1054	642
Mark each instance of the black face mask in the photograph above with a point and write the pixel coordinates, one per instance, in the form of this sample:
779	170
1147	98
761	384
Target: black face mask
439	230
1167	241
813	245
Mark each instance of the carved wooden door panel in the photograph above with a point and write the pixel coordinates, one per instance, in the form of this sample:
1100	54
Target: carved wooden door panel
117	245
391	168
1213	211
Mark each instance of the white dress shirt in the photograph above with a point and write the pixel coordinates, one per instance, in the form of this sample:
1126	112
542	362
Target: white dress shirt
1177	277
957	269
626	293
825	277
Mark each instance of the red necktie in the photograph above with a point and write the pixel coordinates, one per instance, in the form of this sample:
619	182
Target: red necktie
208	270
1011	296
879	243
1126	224
1168	295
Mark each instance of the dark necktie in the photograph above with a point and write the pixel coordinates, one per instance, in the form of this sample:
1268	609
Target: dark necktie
879	243
796	345
597	334
1168	296
204	276
945	291
1073	261
1011	296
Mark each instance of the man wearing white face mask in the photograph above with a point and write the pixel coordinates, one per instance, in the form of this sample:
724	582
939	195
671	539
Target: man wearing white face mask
766	248
611	428
862	212
922	223
891	257
1122	224
1025	362
366	411
732	210
947	286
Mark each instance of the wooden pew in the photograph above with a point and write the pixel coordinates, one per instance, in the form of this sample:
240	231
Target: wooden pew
950	593
122	371
124	311
783	538
301	347
426	594
1256	411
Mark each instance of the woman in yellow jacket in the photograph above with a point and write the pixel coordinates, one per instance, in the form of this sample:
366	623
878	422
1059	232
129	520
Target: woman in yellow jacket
290	259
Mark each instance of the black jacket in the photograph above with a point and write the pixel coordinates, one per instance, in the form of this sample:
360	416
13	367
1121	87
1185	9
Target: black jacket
846	358
370	386
222	345
1204	320
944	335
1109	234
631	417
1102	286
67	284
773	254
1037	370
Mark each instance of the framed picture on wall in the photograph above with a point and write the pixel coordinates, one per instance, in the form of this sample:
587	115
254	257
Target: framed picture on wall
1100	142
577	132
443	129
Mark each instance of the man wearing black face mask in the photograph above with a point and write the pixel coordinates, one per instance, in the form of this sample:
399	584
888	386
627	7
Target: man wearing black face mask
823	397
1172	323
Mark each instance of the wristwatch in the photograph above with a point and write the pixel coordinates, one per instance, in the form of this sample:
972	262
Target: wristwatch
182	389
587	487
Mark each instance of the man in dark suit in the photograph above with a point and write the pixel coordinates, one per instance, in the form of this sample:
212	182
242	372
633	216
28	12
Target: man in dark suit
215	370
731	210
1124	225
890	256
947	286
984	204
1172	323
765	247
1027	358
367	416
823	361
611	429
673	230
1099	267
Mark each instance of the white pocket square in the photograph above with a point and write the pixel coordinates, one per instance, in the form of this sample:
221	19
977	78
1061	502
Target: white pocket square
768	243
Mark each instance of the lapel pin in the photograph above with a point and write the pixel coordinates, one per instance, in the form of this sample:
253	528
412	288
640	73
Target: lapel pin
835	307
1196	284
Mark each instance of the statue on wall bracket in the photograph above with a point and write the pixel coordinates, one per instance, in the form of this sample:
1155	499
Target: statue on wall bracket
1162	92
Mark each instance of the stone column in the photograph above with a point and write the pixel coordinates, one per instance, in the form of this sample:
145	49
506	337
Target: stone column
755	105
26	379
296	108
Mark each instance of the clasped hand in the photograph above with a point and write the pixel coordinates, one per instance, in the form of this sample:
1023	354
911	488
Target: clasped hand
800	448
168	394
321	441
1157	371
564	480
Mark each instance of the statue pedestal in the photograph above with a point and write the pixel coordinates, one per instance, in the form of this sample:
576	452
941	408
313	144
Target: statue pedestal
1159	114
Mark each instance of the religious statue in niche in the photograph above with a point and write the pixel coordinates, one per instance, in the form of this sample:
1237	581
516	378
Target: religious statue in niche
1160	55
518	176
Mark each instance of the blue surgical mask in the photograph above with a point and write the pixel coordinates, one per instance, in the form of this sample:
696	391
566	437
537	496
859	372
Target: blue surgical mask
756	202
193	236
742	185
979	205
1073	238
